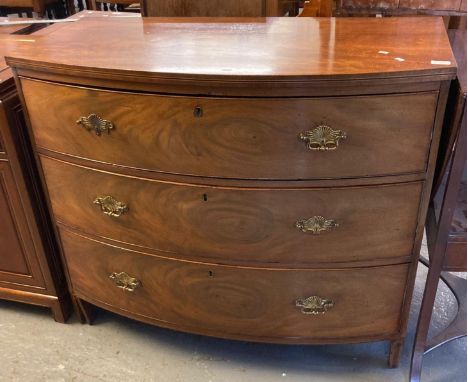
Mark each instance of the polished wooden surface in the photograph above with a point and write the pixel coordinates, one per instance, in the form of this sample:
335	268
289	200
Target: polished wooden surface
221	300
14	259
210	8
37	6
30	269
218	8
200	222
318	8
236	49
235	225
231	134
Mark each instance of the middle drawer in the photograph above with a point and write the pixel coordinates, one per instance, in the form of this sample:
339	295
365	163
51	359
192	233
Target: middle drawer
237	225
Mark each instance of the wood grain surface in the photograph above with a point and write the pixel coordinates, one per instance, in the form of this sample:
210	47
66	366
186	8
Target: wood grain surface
216	8
30	270
235	225
236	138
248	303
211	227
12	256
240	50
210	8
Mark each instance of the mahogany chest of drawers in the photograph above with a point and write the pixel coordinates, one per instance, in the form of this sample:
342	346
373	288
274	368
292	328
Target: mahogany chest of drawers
256	179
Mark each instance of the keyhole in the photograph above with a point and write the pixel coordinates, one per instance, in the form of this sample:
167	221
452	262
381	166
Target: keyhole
198	112
210	273
205	197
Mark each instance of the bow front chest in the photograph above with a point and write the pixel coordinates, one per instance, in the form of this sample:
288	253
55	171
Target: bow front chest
259	179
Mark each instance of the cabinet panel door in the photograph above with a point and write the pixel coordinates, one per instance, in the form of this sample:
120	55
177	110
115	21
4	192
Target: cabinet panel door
17	261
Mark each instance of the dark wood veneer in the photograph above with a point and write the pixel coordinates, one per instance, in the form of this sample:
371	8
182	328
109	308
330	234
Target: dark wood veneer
239	225
254	302
30	268
330	58
233	133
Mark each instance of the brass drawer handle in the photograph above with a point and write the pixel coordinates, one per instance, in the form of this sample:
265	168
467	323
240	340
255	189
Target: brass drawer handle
314	305
94	122
316	225
110	206
322	138
125	281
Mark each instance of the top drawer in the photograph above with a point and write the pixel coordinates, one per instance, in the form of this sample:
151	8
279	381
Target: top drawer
236	137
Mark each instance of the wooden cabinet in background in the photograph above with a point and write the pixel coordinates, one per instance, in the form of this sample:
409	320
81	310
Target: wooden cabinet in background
30	269
218	8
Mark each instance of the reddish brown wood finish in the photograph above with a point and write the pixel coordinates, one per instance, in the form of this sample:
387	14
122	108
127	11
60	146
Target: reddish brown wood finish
234	303
324	48
30	268
318	8
218	8
15	262
236	225
231	134
204	8
39	7
331	58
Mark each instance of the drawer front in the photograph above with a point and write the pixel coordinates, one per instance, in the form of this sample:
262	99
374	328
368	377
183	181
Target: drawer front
238	225
235	302
236	138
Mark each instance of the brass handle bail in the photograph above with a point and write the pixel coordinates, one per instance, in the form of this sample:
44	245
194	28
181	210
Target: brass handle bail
316	225
322	138
110	206
124	281
94	122
314	305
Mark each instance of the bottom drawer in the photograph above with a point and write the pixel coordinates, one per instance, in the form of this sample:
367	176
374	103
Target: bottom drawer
257	304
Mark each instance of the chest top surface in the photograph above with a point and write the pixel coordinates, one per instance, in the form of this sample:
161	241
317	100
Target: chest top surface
247	48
